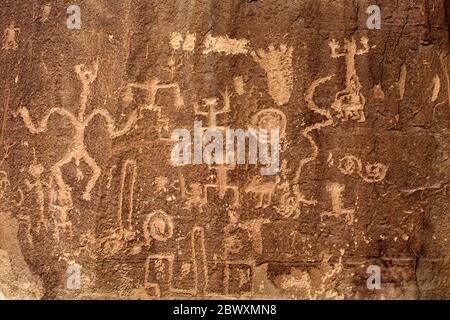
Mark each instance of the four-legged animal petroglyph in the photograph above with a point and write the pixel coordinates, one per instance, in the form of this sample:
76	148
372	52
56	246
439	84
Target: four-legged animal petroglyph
264	190
350	102
77	150
277	63
335	190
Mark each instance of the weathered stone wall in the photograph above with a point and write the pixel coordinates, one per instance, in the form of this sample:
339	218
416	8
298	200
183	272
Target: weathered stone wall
87	182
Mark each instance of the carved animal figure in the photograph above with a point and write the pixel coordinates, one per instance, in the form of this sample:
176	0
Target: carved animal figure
263	189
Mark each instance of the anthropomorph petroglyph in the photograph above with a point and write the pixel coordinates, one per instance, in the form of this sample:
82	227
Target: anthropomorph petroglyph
195	197
152	87
277	63
337	205
186	43
253	227
349	103
212	110
9	42
77	151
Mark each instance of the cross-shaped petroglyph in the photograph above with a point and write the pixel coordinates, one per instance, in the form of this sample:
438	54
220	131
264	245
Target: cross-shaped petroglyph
77	150
152	87
222	184
350	102
335	190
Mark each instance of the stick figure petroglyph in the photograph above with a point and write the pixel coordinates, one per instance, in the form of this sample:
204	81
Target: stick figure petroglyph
335	190
152	87
77	150
350	102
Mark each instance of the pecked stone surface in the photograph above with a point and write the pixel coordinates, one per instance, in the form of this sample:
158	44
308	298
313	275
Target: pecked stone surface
87	183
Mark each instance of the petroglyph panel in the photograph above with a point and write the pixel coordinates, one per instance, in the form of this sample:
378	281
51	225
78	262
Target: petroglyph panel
362	160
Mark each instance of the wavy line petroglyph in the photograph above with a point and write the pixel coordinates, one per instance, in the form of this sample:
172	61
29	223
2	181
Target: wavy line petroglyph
317	126
370	173
277	62
78	150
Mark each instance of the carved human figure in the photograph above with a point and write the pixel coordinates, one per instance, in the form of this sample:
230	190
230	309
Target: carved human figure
77	150
349	103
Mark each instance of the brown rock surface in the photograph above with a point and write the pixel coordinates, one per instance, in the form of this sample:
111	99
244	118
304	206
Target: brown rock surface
87	183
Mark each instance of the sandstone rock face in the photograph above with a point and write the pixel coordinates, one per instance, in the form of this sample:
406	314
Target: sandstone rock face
93	206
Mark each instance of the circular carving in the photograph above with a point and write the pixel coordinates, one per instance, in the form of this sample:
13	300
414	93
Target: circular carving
158	225
269	119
